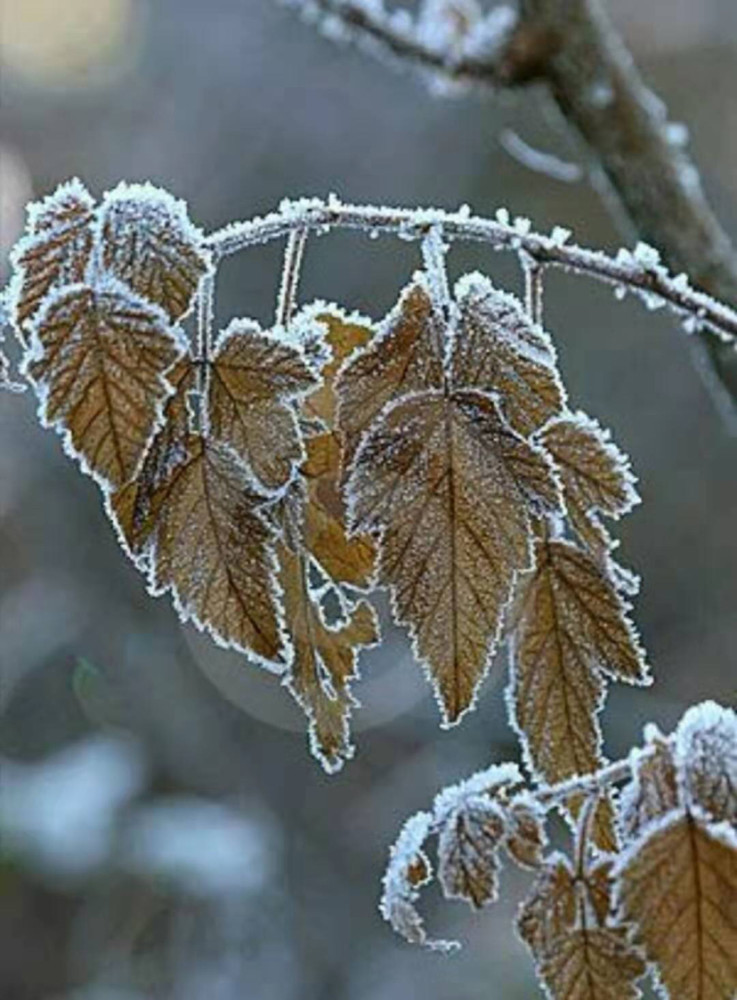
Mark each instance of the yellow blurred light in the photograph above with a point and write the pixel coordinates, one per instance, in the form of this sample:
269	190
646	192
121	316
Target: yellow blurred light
64	42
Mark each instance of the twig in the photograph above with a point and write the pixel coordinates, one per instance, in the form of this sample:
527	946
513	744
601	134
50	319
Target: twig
293	257
633	272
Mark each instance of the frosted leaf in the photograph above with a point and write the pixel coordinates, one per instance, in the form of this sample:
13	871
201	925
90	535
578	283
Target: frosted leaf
653	790
526	839
677	884
450	490
408	869
405	356
324	660
468	848
592	964
253	377
443	26
211	547
55	251
706	757
148	241
549	912
98	361
498	349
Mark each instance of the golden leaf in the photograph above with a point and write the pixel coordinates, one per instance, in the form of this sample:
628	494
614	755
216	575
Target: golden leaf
131	505
252	378
653	790
592	964
404	357
149	243
450	488
343	336
211	547
549	912
526	837
571	627
324	659
498	349
468	846
678	886
98	360
55	251
347	559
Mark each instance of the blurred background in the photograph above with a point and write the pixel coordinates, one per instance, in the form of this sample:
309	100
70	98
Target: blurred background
165	833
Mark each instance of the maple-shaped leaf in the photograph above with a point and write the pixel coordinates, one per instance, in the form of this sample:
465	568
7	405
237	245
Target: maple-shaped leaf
678	885
571	628
98	360
450	490
653	790
468	846
131	506
596	963
55	250
405	356
497	348
706	757
596	475
345	558
324	659
212	548
148	241
253	376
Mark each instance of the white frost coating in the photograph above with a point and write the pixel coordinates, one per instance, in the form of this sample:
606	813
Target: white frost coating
706	756
400	894
538	161
486	782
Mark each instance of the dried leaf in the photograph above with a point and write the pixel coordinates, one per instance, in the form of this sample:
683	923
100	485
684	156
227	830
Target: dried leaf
149	243
592	964
468	849
451	489
253	377
706	756
678	885
347	559
55	251
498	349
599	889
549	912
211	547
404	357
653	790
343	336
98	360
526	838
324	660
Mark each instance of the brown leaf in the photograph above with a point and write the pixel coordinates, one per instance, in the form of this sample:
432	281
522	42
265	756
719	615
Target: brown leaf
324	660
678	886
343	336
706	756
98	360
599	889
653	790
131	505
571	627
549	912
211	547
450	489
498	349
55	251
347	559
404	357
149	243
468	848
526	837
253	377
592	964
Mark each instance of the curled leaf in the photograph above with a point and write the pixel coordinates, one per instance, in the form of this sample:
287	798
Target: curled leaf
468	849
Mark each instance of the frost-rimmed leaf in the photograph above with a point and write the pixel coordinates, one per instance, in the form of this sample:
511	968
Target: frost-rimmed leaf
526	839
653	789
570	629
324	660
253	377
409	869
705	753
677	884
468	846
98	360
211	547
54	252
549	911
148	241
497	348
450	489
405	356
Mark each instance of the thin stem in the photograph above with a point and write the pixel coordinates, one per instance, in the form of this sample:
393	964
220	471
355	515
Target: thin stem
204	345
586	784
646	279
293	257
533	273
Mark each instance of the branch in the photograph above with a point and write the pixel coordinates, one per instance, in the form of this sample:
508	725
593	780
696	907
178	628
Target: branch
570	46
638	272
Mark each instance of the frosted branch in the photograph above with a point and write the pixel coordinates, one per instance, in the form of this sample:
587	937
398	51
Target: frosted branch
291	270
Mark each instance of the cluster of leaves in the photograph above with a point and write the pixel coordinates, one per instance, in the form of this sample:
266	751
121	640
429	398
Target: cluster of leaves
270	479
665	901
